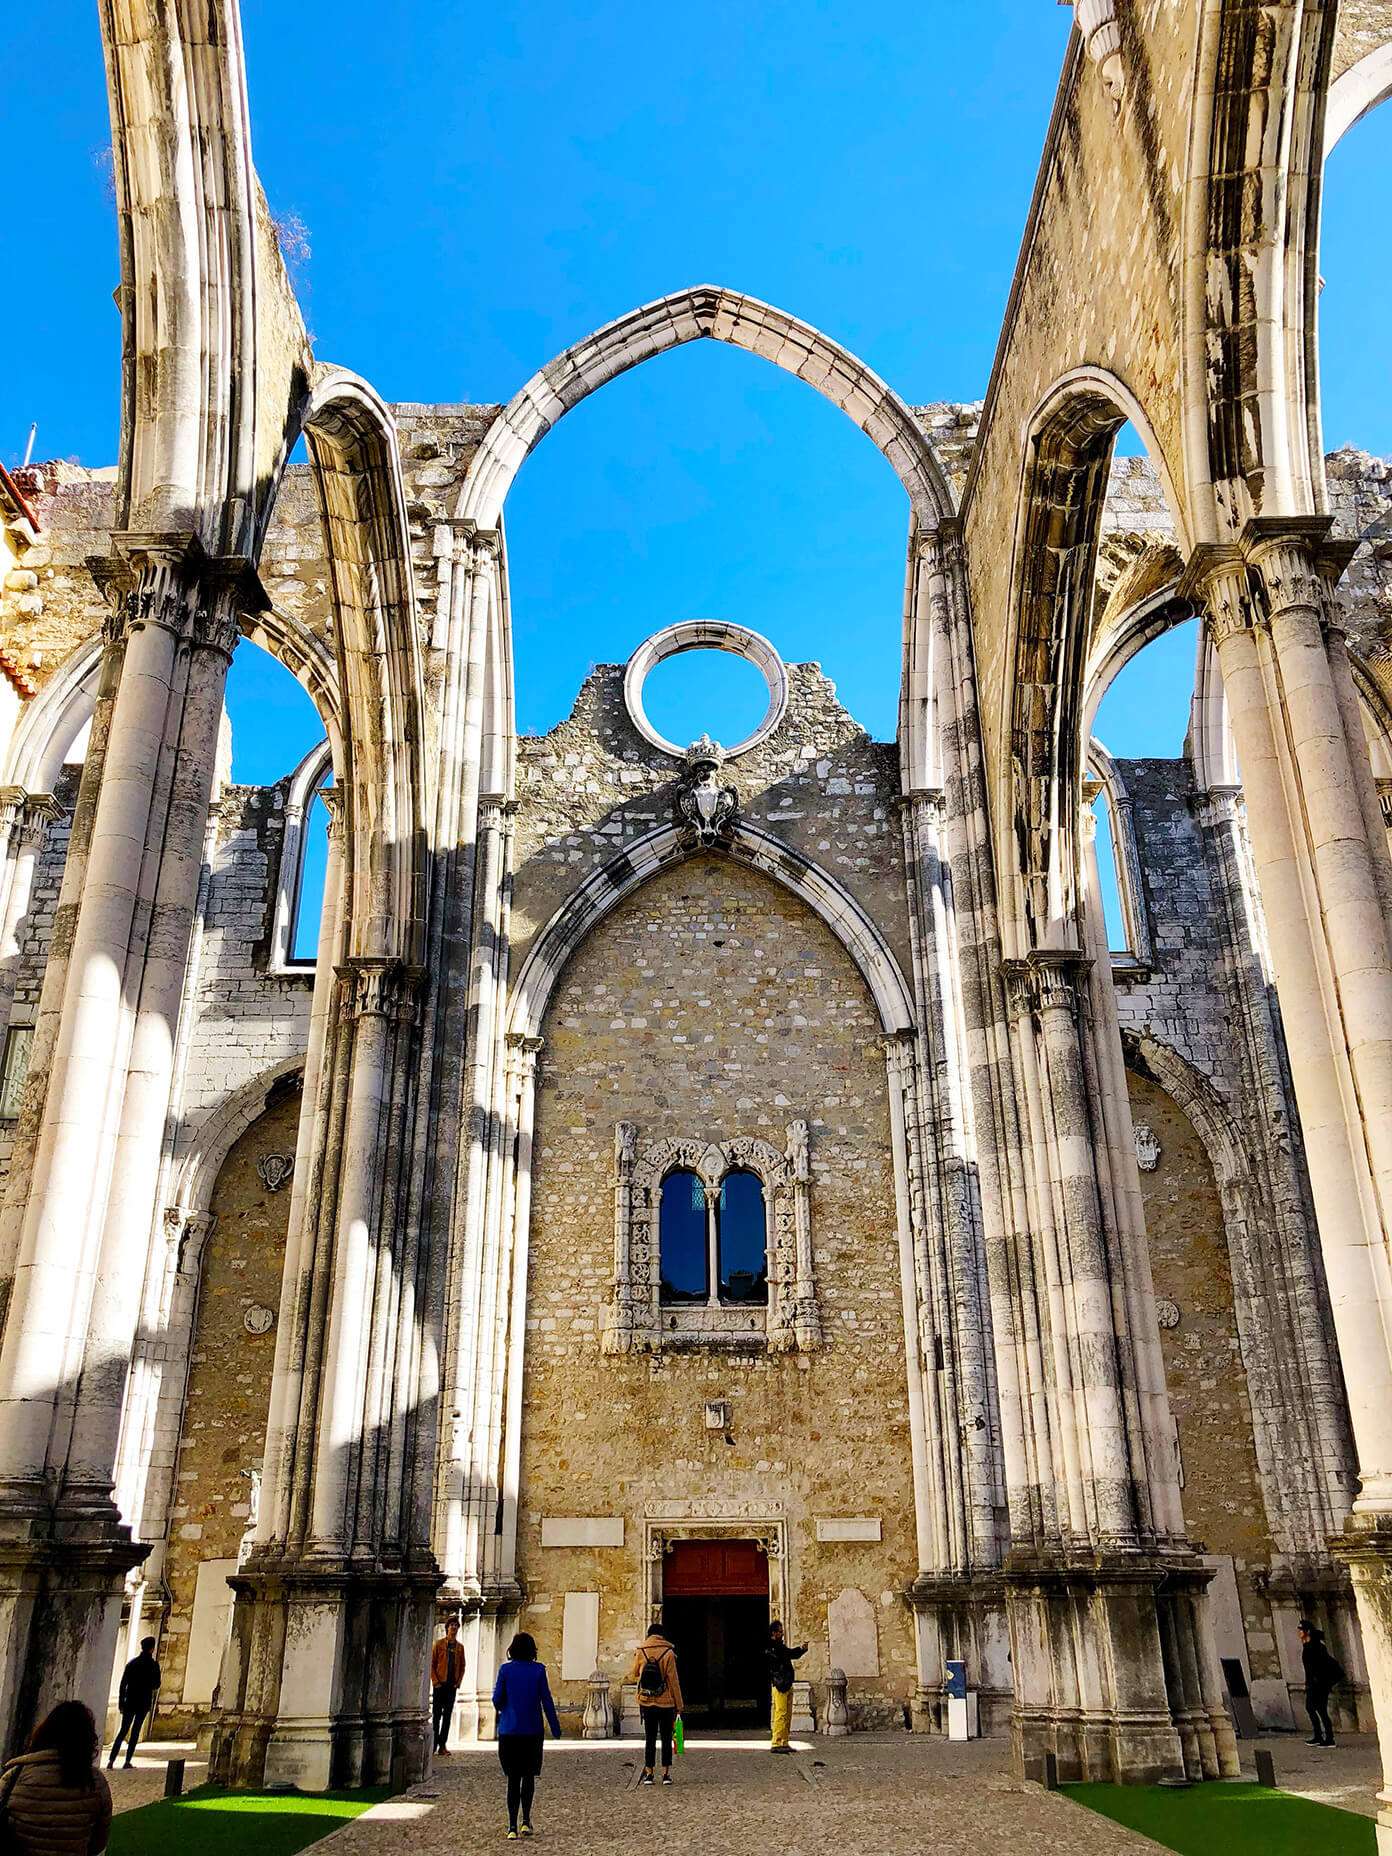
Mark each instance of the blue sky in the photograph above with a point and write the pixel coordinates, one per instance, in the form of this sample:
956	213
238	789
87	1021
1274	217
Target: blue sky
479	189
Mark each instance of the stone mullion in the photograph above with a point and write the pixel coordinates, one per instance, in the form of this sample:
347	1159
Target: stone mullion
1360	762
1275	1265
1059	1374
474	1286
925	1421
936	1144
1152	1424
313	1151
522	1055
378	1523
1090	1295
449	1177
494	1311
940	588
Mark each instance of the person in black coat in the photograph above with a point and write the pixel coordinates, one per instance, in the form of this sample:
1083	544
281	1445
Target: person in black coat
140	1682
1322	1675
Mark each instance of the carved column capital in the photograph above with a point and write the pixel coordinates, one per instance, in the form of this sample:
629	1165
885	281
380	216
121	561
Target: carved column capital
1219	805
381	989
522	1054
169	581
24	816
1217	579
332	797
1047	980
898	1048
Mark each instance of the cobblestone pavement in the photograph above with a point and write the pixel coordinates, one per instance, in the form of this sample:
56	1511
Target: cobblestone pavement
871	1795
145	1780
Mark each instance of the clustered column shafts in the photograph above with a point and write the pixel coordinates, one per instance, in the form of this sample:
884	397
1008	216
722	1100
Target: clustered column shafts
1321	858
89	1157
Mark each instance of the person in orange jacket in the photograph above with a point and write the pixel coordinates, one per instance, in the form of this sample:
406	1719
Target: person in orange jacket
446	1673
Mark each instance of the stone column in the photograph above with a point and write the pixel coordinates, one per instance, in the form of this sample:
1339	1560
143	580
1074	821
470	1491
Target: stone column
83	1205
1321	872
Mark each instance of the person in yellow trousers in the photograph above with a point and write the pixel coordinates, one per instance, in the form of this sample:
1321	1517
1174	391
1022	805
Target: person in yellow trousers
780	1659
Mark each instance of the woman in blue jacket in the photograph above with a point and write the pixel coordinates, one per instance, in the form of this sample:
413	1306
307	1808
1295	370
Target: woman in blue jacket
519	1695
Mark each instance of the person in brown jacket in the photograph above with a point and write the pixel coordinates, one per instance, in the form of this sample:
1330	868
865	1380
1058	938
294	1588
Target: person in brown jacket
53	1799
446	1673
659	1698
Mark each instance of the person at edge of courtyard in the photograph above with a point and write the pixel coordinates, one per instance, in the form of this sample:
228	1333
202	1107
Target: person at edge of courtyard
140	1680
520	1695
54	1799
780	1658
1323	1673
446	1673
659	1698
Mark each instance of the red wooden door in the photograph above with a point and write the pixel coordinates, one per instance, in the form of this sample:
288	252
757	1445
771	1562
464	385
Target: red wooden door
715	1569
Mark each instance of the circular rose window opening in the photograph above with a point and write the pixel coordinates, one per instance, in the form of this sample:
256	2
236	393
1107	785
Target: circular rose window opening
700	678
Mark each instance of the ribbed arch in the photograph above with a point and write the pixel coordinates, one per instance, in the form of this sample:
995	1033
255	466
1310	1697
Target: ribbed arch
693	315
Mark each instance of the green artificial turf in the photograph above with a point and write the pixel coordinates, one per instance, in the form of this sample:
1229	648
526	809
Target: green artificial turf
1229	1819
221	1823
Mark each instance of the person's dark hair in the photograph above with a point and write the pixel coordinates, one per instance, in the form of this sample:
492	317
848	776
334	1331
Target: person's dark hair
71	1733
147	1643
655	1627
522	1649
777	1624
451	1623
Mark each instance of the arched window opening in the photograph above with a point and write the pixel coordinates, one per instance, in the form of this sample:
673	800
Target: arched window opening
274	723
1107	875
304	860
314	863
683	1238
706	484
1356	280
741	1239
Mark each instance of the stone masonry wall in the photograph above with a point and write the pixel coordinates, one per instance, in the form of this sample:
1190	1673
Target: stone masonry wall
229	1384
713	1003
819	783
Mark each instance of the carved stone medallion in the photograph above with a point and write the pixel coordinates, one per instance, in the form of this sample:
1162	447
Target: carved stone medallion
1147	1148
275	1170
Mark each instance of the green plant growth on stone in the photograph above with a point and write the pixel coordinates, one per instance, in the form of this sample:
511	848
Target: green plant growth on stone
1231	1820
223	1823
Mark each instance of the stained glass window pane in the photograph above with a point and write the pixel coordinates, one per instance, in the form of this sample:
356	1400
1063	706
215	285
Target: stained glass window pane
682	1239
742	1239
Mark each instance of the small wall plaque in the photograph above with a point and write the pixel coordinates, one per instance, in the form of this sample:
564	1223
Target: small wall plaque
258	1319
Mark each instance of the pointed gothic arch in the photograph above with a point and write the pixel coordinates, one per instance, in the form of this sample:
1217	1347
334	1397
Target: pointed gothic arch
692	315
665	848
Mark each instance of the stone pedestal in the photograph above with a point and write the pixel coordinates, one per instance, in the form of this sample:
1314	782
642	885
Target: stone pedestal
1113	1674
1367	1546
325	1678
804	1720
62	1581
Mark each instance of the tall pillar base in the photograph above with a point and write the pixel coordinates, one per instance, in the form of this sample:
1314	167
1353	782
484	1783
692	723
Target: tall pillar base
961	1619
1367	1546
325	1680
1115	1673
62	1585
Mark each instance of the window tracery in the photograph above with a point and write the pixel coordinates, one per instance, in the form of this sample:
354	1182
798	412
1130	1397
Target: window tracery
712	1244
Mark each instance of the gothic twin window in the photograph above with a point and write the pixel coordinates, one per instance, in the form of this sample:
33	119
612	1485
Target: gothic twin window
715	1237
712	1244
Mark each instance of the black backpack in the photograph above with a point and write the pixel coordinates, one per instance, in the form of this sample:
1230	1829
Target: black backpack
652	1681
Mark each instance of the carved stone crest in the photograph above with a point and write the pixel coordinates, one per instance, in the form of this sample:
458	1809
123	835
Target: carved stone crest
1147	1148
275	1170
1167	1314
705	807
